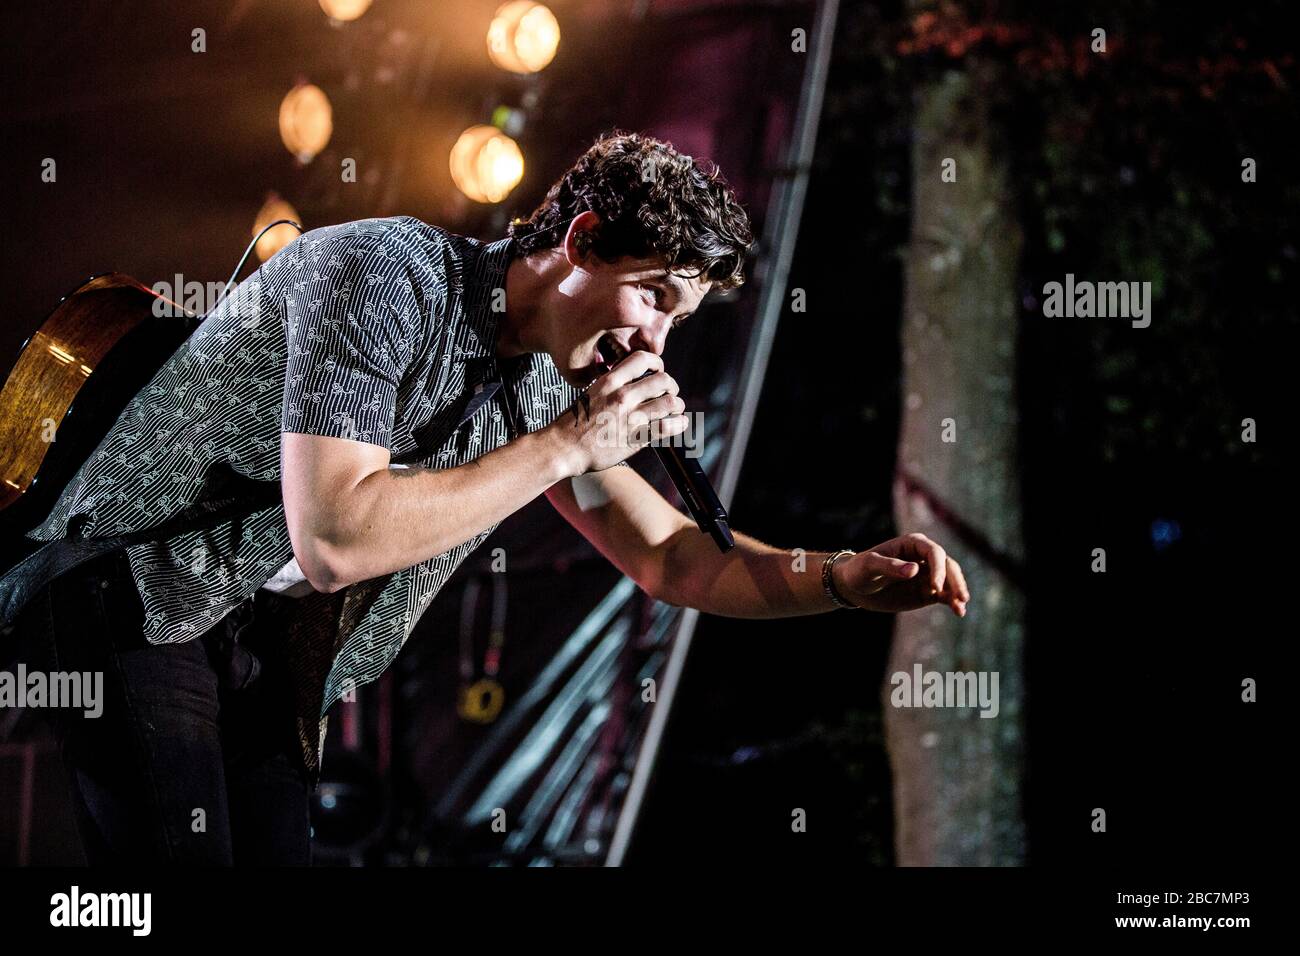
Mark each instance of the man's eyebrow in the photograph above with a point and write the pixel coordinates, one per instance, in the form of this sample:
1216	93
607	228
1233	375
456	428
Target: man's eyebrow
673	283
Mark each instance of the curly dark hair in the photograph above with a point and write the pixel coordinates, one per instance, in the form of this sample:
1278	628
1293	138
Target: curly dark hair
651	201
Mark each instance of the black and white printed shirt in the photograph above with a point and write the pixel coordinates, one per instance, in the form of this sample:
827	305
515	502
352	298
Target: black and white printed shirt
379	330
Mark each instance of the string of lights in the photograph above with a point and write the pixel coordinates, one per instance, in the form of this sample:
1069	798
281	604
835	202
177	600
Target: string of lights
486	162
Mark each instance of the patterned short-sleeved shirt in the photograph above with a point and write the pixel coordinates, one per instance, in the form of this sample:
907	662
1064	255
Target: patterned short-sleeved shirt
377	330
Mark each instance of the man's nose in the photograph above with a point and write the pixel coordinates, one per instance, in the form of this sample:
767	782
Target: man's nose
655	337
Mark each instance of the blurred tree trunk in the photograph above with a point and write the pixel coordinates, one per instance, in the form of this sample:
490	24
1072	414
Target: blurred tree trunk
958	776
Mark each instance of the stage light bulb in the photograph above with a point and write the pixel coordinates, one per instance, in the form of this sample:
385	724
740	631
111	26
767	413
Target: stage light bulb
523	36
274	208
306	121
486	164
345	10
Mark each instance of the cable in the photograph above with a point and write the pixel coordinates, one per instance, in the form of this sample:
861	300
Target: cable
249	251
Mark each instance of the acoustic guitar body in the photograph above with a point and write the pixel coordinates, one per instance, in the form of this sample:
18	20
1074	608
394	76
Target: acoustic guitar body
72	379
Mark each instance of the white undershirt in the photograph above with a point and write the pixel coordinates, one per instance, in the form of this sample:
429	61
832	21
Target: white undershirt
290	581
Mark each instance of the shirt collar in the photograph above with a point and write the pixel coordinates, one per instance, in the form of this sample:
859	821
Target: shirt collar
482	275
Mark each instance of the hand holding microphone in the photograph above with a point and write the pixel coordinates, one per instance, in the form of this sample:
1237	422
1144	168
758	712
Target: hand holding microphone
640	399
622	411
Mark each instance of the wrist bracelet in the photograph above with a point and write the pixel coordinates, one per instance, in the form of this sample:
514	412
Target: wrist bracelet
828	581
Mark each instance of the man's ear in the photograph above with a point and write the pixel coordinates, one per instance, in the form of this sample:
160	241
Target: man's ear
578	239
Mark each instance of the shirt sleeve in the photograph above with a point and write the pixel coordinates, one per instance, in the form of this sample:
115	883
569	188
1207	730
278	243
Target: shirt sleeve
351	321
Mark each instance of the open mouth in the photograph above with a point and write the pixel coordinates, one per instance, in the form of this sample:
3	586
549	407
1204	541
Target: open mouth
608	351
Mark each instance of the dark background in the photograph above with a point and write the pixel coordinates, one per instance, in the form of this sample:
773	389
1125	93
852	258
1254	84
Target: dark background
1130	439
1129	442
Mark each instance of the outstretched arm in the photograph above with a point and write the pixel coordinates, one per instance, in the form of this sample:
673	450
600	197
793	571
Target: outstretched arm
661	549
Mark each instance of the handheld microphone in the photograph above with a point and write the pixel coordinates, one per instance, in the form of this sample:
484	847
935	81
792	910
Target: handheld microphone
687	476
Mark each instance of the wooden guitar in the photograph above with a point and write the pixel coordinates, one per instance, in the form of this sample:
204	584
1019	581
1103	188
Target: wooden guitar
72	379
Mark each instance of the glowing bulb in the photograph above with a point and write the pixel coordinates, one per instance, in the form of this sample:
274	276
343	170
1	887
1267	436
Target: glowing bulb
306	121
486	164
523	36
345	9
276	239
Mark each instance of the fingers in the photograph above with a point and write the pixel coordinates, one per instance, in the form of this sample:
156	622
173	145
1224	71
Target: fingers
641	395
662	428
958	592
631	367
660	418
661	407
652	386
933	555
947	582
881	564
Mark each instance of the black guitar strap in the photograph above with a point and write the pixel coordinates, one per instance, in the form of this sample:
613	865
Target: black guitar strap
25	580
227	495
484	382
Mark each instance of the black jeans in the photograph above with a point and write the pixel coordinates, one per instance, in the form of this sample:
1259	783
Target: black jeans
194	759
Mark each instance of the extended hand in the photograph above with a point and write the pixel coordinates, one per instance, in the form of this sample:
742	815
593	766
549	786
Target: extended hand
901	575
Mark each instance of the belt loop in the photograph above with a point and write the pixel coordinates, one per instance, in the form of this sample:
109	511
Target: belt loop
123	563
240	666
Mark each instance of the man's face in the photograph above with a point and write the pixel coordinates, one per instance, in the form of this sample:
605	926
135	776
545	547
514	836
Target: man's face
633	302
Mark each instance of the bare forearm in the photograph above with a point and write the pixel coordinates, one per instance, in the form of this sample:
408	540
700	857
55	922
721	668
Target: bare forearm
396	518
753	580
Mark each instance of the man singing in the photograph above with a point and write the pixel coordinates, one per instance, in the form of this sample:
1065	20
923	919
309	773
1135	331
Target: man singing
408	389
